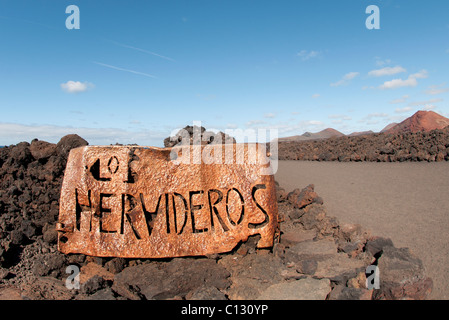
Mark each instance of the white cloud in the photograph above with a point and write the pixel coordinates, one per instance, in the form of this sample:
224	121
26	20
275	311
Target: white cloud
427	102
437	89
316	95
254	123
314	123
350	75
403	110
381	63
347	77
409	82
387	71
398	83
339	117
400	100
76	86
420	75
12	133
306	55
269	115
372	116
231	126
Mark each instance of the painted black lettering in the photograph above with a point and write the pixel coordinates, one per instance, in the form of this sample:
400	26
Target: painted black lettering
104	210
213	209
150	215
95	171
113	165
80	208
129	203
267	218
242	212
194	208
184	201
167	213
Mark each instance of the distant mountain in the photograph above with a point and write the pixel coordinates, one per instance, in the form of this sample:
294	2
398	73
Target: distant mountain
391	125
324	134
362	133
420	121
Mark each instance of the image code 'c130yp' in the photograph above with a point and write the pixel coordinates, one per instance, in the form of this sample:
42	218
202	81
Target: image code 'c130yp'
147	202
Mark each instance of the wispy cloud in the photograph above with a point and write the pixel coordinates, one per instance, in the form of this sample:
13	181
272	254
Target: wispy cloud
411	81
400	100
123	69
403	110
13	133
253	123
437	89
387	71
313	123
346	78
76	86
423	103
307	55
339	117
142	50
269	115
374	115
381	63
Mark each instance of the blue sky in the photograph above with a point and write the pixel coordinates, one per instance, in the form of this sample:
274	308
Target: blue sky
136	70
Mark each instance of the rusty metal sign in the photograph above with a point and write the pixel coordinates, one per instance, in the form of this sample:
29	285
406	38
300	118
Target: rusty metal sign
147	202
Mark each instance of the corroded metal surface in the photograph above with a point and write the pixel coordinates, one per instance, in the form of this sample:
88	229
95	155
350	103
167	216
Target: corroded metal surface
146	202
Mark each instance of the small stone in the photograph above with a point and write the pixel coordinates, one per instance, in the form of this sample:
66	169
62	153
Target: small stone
303	198
304	289
93	284
402	276
377	244
50	234
206	293
92	269
103	294
341	292
294	236
42	150
68	143
307	267
115	265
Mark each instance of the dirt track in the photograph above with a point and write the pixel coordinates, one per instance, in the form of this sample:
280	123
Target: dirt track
407	202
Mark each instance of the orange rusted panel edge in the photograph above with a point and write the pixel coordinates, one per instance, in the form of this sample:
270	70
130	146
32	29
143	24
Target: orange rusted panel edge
148	202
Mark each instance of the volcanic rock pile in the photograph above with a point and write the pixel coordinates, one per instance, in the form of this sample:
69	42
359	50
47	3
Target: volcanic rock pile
314	258
197	135
381	147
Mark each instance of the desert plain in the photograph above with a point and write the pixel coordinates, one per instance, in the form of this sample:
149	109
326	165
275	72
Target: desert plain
407	202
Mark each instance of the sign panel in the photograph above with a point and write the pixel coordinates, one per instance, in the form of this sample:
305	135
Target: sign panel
147	202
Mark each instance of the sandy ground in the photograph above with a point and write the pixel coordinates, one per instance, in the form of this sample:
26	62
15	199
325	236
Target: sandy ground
407	202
